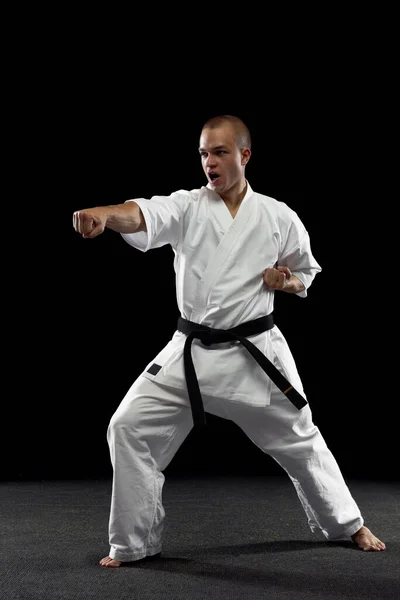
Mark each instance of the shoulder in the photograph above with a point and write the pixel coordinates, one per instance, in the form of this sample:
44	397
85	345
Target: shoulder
279	207
276	208
285	218
195	194
186	197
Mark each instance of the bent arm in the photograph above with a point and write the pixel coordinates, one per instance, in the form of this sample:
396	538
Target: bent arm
296	256
283	279
293	285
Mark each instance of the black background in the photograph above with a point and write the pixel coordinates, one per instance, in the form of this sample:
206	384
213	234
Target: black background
82	336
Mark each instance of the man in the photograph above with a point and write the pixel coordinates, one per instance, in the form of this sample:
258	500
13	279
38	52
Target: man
233	248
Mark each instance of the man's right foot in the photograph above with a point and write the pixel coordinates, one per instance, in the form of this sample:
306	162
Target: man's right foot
110	562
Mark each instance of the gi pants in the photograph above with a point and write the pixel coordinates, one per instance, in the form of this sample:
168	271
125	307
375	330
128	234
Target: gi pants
152	422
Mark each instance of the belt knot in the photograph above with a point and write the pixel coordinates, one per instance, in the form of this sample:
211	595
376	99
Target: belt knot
214	336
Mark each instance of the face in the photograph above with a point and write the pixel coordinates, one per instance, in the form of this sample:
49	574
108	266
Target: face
223	162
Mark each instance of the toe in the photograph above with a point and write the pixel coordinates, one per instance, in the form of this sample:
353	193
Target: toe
381	546
110	562
113	564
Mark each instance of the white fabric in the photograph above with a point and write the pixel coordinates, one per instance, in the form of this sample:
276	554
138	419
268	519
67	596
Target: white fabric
152	422
219	264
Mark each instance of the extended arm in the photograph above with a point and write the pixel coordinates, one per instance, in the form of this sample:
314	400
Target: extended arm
123	218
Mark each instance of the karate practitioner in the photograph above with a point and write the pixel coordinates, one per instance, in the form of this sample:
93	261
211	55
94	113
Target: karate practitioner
233	248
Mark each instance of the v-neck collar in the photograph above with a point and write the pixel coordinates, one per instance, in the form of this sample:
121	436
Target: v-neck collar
220	209
249	191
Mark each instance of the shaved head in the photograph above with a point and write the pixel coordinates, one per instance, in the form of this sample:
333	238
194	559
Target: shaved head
241	132
225	151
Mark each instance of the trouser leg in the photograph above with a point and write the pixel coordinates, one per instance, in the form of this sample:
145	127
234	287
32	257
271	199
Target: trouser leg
292	439
143	436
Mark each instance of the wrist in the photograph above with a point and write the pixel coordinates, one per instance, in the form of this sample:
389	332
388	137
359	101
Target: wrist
294	285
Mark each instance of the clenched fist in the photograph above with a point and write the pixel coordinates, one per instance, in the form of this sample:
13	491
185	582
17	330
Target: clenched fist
277	279
90	222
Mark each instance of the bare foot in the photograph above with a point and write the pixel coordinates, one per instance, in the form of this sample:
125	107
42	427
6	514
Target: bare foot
110	562
366	540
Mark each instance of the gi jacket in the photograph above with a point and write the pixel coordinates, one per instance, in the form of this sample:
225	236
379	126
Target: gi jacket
219	263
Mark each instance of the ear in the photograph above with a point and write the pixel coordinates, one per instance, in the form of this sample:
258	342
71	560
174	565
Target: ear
246	153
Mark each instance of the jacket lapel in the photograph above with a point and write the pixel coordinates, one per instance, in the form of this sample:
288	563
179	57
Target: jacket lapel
231	229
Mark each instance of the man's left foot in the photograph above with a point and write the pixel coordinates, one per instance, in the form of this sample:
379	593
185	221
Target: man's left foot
366	540
110	562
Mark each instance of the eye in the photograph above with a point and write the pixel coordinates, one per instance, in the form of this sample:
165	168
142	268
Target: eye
221	152
203	154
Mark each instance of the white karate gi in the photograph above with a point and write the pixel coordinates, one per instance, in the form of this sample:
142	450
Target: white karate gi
219	264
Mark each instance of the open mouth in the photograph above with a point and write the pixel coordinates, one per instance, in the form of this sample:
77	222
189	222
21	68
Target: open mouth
213	177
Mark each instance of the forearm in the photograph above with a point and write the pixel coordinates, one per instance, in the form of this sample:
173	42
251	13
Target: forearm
125	218
293	285
283	279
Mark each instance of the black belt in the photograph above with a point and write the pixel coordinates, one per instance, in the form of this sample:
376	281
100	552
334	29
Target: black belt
208	336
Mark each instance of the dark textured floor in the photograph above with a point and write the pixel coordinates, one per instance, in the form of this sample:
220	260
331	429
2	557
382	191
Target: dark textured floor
233	537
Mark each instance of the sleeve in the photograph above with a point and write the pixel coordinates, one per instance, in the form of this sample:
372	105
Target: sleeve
164	217
295	252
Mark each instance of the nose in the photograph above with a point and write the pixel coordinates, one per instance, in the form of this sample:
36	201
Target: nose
210	161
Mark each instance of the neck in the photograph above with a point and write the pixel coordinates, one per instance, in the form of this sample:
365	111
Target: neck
235	195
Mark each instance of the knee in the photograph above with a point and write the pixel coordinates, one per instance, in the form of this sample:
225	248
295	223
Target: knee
124	423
